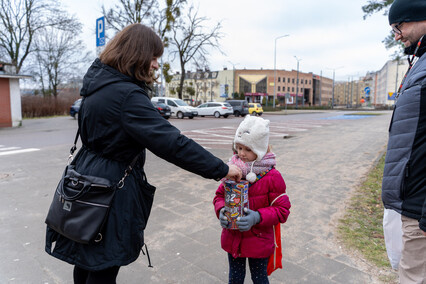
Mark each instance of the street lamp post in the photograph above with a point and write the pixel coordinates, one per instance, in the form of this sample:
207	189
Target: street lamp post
320	88
297	80
332	92
233	78
275	68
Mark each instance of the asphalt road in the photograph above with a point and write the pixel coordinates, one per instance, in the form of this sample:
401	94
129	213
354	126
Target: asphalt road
323	159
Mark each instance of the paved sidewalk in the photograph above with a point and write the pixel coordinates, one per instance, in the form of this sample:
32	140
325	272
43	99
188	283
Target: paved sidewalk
321	168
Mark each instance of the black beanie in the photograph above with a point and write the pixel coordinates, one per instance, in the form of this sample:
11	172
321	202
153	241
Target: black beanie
407	11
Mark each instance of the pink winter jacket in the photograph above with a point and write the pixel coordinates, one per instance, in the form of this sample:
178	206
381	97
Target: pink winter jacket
258	242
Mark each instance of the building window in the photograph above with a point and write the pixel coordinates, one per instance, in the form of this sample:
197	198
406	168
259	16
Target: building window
279	79
245	86
292	89
288	89
288	80
261	86
292	80
283	79
278	88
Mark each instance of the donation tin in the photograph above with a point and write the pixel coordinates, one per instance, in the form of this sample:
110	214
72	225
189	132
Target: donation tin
236	199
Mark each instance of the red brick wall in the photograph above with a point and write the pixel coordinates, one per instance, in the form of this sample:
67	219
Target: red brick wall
5	112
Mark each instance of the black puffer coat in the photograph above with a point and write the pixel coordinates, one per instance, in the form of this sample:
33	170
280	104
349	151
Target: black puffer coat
117	121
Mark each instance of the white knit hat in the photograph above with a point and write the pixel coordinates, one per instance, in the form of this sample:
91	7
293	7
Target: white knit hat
253	132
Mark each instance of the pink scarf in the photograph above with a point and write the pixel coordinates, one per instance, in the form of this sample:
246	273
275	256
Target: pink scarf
267	162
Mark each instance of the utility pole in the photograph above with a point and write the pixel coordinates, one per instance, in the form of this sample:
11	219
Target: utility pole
233	78
211	86
297	80
352	88
332	96
332	92
320	86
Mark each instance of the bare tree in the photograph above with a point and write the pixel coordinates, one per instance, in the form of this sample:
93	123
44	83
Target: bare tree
147	12
20	21
129	12
59	55
190	41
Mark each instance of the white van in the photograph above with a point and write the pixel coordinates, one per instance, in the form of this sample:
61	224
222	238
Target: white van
179	108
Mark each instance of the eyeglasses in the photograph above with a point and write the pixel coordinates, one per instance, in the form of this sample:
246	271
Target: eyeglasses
396	30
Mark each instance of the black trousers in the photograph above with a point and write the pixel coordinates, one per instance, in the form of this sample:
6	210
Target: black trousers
258	270
106	276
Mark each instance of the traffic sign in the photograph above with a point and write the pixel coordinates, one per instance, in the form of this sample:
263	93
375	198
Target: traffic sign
367	90
100	31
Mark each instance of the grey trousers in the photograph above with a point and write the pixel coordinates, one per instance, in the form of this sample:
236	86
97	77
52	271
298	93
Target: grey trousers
412	266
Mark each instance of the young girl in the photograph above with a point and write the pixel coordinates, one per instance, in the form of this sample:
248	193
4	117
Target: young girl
255	237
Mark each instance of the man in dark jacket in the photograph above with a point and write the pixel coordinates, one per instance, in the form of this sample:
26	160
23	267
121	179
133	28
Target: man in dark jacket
404	178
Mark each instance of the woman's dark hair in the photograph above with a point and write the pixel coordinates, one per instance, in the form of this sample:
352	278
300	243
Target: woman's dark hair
132	50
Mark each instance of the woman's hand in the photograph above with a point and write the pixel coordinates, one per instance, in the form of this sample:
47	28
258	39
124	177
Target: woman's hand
234	173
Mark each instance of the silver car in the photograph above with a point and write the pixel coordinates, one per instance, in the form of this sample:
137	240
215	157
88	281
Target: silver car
217	109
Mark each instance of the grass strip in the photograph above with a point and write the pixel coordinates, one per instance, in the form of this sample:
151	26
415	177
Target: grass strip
361	228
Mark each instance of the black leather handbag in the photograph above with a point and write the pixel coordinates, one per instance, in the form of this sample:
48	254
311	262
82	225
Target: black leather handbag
81	203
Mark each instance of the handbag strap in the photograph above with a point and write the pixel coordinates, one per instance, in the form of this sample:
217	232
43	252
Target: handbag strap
127	171
277	198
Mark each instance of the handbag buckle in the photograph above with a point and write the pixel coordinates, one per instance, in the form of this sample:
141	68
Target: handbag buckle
98	238
121	182
70	158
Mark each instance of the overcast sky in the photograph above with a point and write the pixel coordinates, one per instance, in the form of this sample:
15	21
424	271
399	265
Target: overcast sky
324	35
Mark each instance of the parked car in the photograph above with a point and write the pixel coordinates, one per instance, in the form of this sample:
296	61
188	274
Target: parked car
75	107
179	108
215	108
240	107
164	110
255	109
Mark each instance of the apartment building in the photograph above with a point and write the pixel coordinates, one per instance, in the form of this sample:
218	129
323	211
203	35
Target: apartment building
352	93
256	85
386	82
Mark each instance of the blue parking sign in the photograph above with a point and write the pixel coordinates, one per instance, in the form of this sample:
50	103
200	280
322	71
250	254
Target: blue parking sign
100	31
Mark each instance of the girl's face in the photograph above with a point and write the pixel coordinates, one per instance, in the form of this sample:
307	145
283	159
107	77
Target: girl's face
154	65
245	153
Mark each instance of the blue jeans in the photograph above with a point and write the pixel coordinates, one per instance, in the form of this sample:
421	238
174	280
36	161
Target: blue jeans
237	270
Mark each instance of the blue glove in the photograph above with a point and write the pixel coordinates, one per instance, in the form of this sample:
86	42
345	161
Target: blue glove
246	222
223	219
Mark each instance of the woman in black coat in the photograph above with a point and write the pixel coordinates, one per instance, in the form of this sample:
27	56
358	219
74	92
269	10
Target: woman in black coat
117	122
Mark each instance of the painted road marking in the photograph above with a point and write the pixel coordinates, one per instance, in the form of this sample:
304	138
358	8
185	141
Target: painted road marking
15	150
222	137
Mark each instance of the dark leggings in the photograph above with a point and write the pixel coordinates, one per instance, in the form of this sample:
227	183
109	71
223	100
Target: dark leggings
106	276
237	270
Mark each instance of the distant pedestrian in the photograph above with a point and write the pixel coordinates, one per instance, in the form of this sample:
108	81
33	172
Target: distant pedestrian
404	177
117	122
255	237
